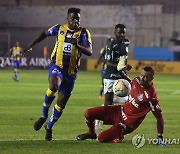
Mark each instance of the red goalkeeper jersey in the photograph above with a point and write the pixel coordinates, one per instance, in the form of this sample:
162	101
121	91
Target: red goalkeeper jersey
141	101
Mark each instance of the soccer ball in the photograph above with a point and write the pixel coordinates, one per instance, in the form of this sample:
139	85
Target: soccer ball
121	88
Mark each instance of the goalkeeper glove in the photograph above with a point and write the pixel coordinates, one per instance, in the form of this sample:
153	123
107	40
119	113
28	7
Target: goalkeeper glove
121	65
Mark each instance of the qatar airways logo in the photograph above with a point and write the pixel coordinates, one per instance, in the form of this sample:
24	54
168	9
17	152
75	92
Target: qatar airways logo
133	102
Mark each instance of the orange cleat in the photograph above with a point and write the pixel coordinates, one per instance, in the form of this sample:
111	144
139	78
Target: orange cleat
101	97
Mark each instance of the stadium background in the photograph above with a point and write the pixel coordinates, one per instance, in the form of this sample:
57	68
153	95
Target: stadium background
150	24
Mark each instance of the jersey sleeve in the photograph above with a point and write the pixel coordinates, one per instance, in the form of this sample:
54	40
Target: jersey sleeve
85	37
126	42
154	102
53	31
102	50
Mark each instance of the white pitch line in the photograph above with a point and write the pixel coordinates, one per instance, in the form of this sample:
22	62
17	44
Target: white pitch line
164	90
176	92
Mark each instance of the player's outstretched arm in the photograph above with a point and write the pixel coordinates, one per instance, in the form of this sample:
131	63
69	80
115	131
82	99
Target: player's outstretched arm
100	59
160	128
160	122
41	37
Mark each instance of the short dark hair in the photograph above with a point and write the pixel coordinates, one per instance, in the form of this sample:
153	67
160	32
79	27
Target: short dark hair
73	10
149	69
120	26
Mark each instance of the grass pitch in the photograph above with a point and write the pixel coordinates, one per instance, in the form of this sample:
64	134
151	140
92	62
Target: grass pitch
21	103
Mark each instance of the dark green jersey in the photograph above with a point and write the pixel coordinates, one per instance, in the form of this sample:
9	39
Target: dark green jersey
113	52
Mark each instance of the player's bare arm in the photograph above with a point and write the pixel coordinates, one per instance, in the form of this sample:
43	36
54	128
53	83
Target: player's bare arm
85	49
41	37
100	59
160	123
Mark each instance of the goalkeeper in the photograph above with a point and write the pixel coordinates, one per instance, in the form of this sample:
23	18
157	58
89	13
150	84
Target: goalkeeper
128	117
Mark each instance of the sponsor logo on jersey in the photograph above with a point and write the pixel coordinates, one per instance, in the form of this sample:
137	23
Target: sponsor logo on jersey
140	97
67	47
115	75
133	102
56	71
69	35
62	32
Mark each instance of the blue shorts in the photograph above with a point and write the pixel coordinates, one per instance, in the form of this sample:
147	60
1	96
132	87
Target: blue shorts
16	64
67	81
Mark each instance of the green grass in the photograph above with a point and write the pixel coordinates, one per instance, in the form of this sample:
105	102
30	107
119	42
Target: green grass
21	103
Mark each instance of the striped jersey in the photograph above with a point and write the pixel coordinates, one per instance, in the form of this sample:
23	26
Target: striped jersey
65	54
16	52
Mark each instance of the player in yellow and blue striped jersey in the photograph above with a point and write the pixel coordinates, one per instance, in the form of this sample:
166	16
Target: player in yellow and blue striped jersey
71	42
16	54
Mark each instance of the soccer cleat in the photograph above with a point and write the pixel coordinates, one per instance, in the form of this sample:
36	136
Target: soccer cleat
86	136
48	136
100	97
15	79
38	124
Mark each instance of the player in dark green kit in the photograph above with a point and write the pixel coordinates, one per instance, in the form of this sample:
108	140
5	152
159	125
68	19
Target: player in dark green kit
116	61
116	66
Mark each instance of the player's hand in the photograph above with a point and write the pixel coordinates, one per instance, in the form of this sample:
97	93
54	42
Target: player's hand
160	141
121	65
74	40
26	50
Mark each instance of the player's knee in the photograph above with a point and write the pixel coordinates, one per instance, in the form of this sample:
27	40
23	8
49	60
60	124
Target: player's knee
101	138
87	114
54	84
53	87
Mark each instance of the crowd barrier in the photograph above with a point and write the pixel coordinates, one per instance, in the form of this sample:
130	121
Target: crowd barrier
161	67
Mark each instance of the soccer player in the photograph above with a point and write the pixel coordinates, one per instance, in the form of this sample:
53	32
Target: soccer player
126	118
71	42
116	64
16	54
116	61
